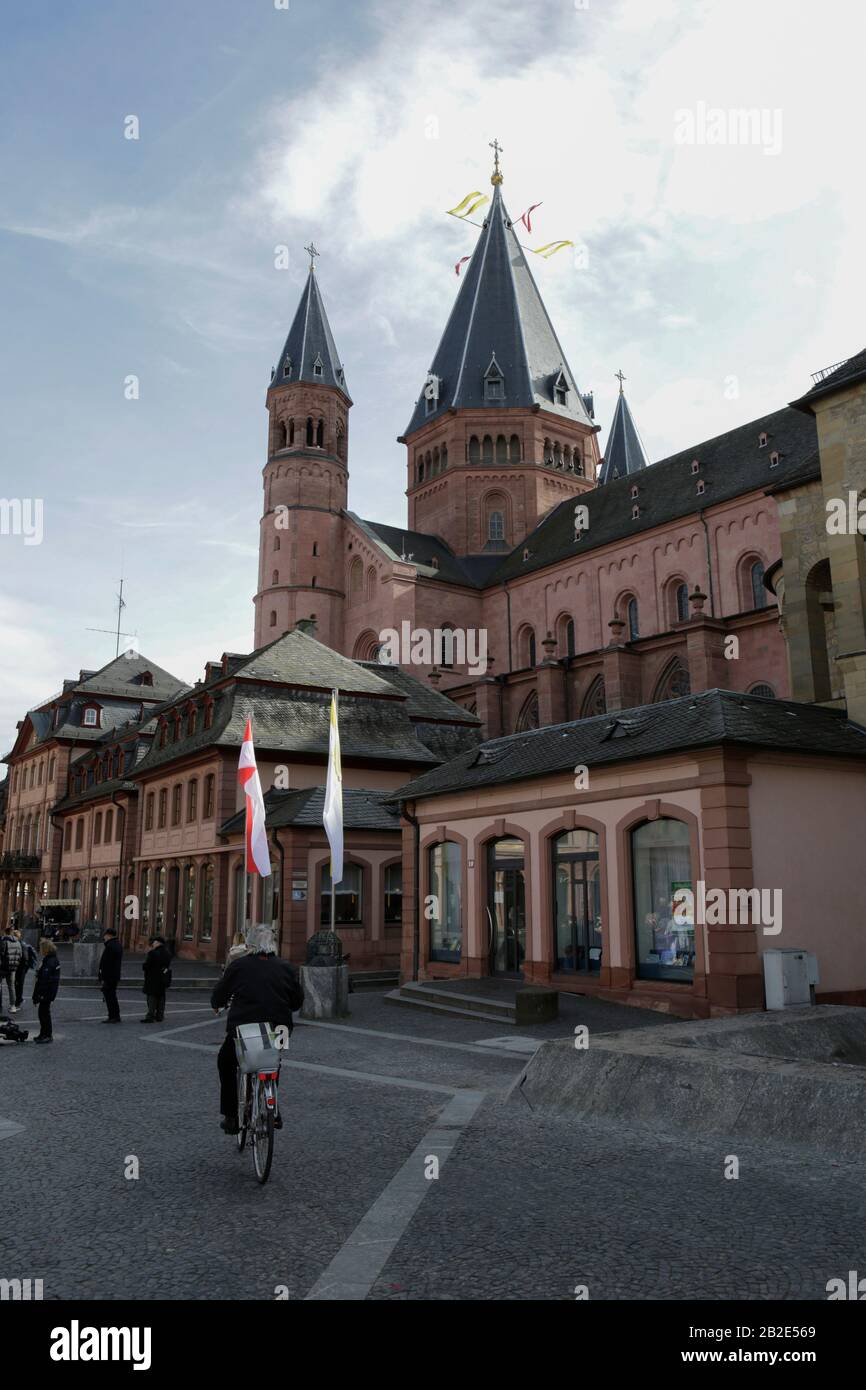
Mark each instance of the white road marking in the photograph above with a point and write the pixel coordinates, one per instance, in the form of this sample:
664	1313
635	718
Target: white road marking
475	1048
522	1045
357	1265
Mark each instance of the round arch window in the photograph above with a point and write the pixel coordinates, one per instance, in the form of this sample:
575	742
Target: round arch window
662	868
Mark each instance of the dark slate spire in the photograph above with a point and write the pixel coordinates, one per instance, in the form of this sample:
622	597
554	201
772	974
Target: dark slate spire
310	353
625	452
499	321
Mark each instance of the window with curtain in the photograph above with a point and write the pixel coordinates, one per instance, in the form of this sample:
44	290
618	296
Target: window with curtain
393	894
662	864
444	903
348	905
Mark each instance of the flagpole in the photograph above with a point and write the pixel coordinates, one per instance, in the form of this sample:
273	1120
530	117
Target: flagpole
336	696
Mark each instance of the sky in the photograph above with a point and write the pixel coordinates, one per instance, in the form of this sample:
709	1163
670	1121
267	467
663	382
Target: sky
717	263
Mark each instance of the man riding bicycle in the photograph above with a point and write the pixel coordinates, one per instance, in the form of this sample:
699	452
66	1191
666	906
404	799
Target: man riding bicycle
262	988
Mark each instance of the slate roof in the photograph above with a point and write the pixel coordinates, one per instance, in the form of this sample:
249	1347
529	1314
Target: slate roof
362	810
296	658
846	374
499	314
310	344
730	465
472	571
691	721
422	701
122	676
625	452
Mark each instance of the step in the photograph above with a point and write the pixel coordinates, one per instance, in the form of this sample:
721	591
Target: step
182	985
477	1015
500	1008
372	979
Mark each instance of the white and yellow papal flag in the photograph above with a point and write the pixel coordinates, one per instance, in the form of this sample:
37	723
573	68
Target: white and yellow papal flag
333	813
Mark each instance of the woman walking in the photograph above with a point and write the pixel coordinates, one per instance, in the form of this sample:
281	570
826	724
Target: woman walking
46	987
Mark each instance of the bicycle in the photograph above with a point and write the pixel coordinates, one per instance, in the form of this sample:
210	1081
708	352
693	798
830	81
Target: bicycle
258	1079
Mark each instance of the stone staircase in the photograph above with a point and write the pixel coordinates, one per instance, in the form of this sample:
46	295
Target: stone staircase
516	1005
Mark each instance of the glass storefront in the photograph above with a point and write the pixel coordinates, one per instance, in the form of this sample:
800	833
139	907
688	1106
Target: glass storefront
506	906
577	902
444	902
662	865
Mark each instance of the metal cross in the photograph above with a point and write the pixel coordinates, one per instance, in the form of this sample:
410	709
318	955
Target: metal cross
312	253
620	378
497	151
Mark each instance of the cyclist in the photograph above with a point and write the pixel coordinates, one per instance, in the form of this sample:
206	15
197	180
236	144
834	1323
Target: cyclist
262	989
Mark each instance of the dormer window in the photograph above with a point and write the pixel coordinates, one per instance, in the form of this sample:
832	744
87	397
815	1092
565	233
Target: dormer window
287	368
560	389
435	562
774	458
431	393
634	492
635	513
525	556
701	488
762	441
91	717
695	466
494	382
318	365
146	678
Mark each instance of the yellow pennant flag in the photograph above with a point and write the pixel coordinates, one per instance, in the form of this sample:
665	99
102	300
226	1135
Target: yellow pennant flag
462	210
550	249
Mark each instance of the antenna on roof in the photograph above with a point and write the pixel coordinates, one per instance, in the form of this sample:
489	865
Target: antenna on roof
121	604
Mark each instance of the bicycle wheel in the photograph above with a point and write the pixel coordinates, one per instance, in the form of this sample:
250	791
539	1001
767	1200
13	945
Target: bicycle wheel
243	1108
262	1133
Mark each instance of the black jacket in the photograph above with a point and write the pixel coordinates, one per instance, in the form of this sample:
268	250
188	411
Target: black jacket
262	989
47	981
109	963
157	967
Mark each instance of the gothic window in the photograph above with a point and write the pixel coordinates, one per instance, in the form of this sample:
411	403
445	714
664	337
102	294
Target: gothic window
673	683
309	432
632	620
275	577
682	603
474	449
496	527
759	593
487	449
595	700
501	449
320	435
514	449
291	432
528	716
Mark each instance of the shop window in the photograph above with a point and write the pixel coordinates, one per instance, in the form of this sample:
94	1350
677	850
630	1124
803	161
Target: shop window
348	904
577	927
159	900
445	870
207	889
661	865
188	900
392	889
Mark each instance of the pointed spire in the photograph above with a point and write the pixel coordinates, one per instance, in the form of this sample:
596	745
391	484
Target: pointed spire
499	313
310	353
625	452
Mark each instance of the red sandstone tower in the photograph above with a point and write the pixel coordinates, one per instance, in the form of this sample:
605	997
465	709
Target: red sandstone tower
501	434
305	480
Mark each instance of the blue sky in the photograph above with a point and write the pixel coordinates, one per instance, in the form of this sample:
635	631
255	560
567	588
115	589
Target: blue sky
718	277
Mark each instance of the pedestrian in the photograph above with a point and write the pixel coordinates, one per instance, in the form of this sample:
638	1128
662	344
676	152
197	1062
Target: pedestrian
10	958
29	961
237	948
45	988
109	973
157	978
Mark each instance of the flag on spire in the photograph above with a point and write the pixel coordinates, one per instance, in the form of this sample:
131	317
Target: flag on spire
333	813
258	859
526	217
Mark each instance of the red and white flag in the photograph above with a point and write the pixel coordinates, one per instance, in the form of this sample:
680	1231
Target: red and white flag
526	217
256	836
462	261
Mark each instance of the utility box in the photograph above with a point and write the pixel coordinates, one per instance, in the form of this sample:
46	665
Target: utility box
790	977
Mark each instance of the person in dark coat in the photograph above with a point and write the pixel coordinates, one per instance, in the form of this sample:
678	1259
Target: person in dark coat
262	989
109	973
157	978
29	961
45	988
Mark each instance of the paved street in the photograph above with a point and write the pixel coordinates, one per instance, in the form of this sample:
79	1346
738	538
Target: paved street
523	1208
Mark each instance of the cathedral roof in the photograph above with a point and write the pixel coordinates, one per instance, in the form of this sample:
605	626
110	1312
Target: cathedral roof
310	353
836	378
625	452
499	330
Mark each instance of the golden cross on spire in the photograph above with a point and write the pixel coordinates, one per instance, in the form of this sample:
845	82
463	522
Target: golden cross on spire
620	378
496	176
312	253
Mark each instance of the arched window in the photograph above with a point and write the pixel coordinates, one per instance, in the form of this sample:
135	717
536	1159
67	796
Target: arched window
356	579
662	865
496	526
631	618
445	886
279	436
348	905
557	455
209	796
443	457
445	655
291	433
392	891
569	637
474	449
673	683
275	577
309	431
528	716
162	809
756	579
188	902
487	449
273	618
276	542
595	700
206	911
577	925
341	440
192	800
109	825
501	449
320	435
681	603
765	691
514	449
371	582
67	838
526	647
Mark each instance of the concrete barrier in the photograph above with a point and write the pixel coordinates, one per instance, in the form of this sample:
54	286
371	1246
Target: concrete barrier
797	1078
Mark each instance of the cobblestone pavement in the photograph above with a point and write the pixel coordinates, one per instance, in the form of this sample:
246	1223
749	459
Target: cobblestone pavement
523	1207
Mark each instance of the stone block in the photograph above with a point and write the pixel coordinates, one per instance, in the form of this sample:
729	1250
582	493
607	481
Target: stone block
535	1006
86	956
326	991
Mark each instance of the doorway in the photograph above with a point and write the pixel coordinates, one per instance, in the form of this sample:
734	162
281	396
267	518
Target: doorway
506	907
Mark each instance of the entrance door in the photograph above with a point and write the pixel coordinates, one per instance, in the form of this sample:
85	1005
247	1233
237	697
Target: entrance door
506	907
